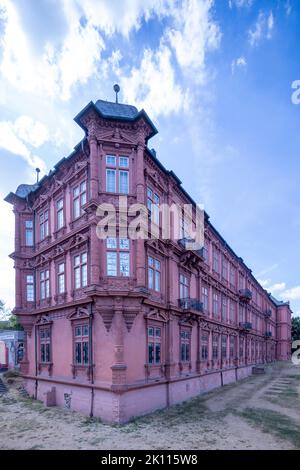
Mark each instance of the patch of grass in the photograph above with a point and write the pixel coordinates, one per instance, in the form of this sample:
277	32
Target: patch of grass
272	422
88	420
11	374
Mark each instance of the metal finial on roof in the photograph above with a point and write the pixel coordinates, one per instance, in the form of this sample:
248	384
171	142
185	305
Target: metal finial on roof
37	174
116	89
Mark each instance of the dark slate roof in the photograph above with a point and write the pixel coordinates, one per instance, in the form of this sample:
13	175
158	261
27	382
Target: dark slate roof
24	189
116	110
278	302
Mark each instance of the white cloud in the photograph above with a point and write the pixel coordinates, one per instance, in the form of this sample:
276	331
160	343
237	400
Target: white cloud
263	28
288	8
152	85
240	62
7	274
268	269
193	35
291	294
240	3
16	137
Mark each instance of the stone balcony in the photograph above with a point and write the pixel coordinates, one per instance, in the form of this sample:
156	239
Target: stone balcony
245	295
188	304
268	313
245	326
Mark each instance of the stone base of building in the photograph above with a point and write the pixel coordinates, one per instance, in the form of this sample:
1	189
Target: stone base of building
123	405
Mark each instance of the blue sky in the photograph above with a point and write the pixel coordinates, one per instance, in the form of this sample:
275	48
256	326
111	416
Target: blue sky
216	78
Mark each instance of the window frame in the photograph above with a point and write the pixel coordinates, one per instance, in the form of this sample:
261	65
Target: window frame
44	284
80	266
30	231
118	251
155	340
45	354
157	273
82	339
78	197
118	169
44	224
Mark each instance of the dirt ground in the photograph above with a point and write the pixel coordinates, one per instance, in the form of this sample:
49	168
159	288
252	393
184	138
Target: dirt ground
260	412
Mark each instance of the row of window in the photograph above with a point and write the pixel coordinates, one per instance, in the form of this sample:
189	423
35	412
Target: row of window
80	278
222	346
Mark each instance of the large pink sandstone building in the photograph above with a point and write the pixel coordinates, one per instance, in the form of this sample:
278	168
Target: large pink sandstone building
118	328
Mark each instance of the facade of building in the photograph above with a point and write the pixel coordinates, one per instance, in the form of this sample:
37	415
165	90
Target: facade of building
11	348
120	327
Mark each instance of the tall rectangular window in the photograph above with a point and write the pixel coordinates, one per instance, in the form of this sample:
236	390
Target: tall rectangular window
183	287
117	174
110	181
154	345
231	347
205	298
59	213
232	311
241	314
44	224
45	344
232	276
185	346
241	351
44	284
216	260
154	274
224	346
29	233
215	304
204	346
215	346
153	201
118	257
206	251
61	278
79	199
224	308
80	270
124	182
29	288
224	269
81	341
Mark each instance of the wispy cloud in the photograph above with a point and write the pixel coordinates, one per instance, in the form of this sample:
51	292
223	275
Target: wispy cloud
240	3
291	294
240	62
263	28
22	136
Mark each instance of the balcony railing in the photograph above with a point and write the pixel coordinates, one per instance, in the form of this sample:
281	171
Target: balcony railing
246	326
190	304
268	313
245	295
268	334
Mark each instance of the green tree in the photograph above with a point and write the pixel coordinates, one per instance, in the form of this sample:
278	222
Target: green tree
295	328
8	321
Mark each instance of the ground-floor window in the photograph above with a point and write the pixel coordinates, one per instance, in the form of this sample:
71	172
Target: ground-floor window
81	344
231	347
224	346
215	346
45	344
241	348
204	346
185	338
154	334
